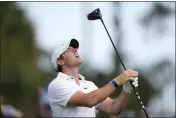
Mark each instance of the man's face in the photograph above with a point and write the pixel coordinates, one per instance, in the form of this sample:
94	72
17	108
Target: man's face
71	57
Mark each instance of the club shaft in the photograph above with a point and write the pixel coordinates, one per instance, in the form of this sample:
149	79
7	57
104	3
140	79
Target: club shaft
137	94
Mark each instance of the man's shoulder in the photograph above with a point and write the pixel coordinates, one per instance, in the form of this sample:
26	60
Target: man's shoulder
55	82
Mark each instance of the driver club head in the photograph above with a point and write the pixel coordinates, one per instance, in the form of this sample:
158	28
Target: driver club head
94	15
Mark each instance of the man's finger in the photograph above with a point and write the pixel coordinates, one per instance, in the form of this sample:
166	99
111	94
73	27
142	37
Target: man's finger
136	85
132	71
132	78
134	74
135	79
135	82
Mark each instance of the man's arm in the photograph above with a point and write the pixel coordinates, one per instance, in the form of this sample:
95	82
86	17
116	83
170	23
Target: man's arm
115	107
95	97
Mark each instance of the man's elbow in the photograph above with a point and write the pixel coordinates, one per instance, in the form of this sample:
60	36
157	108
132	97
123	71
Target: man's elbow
116	111
89	104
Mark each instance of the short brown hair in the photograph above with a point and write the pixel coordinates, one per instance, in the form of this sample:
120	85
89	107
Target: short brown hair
59	67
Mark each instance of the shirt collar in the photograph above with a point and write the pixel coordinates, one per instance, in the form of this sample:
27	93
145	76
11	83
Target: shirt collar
65	76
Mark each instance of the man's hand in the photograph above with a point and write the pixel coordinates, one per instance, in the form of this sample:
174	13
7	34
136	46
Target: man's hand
125	77
127	87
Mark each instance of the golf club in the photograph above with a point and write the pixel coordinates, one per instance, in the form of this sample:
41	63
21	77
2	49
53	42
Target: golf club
95	15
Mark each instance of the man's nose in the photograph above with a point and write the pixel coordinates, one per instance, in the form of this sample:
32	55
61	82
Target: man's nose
75	50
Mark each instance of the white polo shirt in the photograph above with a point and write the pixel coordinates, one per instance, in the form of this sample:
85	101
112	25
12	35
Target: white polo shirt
60	91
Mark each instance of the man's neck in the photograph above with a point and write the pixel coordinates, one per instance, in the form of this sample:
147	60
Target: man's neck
72	72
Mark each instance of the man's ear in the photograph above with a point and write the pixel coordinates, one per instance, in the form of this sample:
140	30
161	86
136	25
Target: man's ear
60	62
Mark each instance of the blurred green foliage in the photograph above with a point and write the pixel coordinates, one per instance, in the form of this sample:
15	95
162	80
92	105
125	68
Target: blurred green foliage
19	72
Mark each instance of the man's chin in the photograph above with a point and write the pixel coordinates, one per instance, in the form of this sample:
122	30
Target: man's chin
80	63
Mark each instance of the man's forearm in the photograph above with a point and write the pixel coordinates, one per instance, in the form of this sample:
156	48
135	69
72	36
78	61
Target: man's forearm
119	103
101	94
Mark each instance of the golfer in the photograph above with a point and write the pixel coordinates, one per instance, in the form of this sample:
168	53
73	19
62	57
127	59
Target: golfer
71	95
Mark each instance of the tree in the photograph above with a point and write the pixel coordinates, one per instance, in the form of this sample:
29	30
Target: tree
155	19
19	72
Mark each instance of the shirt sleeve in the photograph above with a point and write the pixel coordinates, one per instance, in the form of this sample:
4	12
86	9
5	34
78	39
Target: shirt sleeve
60	93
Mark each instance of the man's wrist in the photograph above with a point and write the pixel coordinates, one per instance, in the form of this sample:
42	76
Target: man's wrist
113	82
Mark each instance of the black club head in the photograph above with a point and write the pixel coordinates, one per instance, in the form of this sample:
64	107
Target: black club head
94	15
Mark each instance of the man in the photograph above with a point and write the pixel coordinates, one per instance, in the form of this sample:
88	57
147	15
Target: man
70	95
